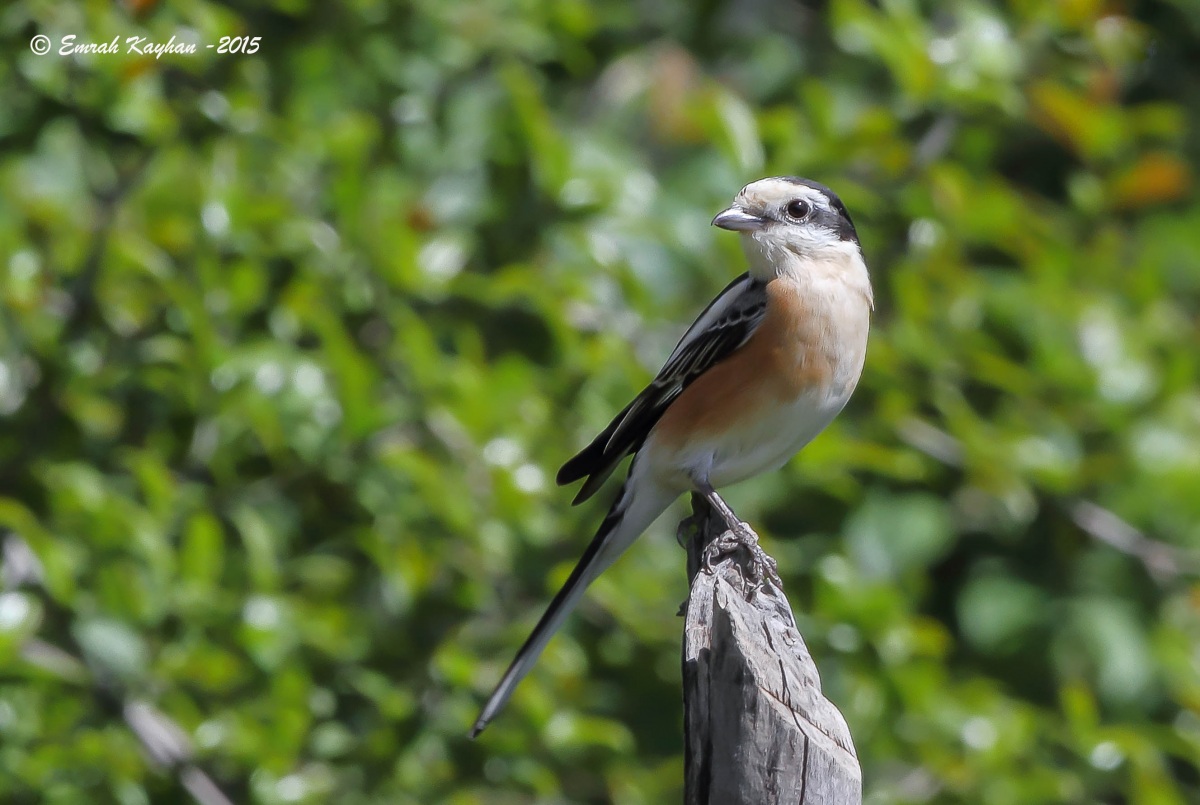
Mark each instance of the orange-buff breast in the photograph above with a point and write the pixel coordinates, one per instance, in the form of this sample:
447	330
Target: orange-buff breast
790	354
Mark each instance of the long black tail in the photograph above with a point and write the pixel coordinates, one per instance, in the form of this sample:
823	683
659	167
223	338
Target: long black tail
627	519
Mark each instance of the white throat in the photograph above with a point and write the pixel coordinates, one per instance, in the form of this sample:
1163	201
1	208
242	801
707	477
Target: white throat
809	262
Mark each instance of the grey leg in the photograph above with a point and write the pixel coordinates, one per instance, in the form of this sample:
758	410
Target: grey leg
732	522
738	535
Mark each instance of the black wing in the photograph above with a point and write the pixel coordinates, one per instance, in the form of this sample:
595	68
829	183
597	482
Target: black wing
724	326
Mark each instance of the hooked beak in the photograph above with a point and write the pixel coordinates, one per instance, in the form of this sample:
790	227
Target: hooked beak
738	220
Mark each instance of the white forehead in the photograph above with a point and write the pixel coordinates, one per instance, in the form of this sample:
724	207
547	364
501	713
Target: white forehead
775	191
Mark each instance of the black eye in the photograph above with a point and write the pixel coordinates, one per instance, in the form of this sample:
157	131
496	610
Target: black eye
799	208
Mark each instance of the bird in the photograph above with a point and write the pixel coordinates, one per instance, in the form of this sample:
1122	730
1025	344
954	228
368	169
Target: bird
764	368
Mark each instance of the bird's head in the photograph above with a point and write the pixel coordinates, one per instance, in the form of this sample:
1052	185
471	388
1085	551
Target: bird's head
786	218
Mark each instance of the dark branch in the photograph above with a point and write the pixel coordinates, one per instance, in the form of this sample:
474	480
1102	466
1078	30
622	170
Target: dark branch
757	727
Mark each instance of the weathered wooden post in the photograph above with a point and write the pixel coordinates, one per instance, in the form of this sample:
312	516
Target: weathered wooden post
758	730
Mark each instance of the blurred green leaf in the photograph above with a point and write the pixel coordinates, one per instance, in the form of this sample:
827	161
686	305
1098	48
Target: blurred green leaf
293	342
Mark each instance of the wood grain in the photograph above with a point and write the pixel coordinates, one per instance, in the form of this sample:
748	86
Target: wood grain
758	729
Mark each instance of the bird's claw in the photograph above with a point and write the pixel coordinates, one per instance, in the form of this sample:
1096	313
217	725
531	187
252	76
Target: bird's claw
761	566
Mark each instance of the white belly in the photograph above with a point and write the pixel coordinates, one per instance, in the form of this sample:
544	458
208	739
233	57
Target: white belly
771	441
761	444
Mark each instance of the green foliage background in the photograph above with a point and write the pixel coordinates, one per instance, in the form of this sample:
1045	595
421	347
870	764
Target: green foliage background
293	343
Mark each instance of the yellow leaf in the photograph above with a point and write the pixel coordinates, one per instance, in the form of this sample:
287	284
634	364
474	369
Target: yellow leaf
1153	179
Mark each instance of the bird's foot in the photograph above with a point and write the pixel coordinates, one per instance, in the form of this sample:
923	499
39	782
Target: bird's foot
761	567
